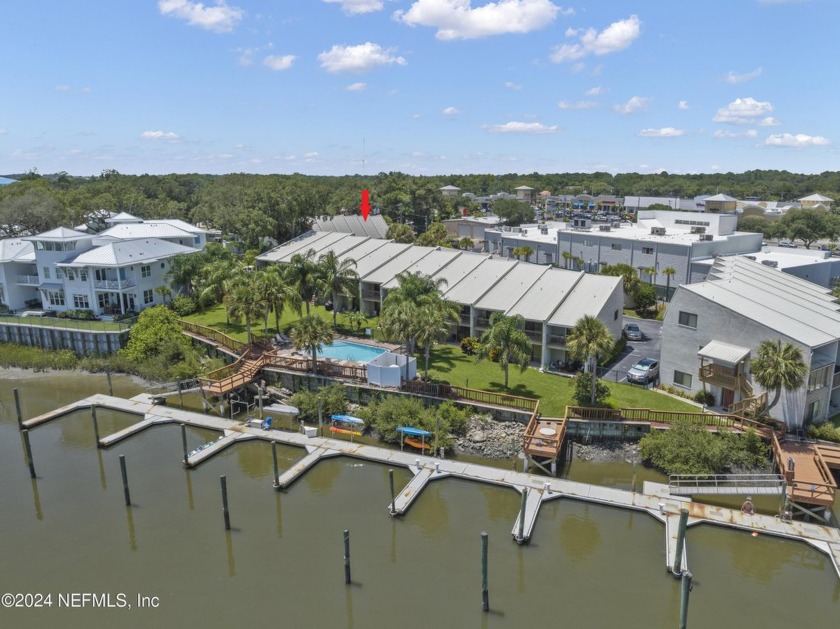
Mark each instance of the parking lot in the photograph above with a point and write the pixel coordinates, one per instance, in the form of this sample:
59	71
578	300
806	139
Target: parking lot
649	347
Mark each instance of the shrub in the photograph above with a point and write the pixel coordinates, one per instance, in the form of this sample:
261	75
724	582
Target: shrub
469	345
184	305
393	411
333	402
583	389
645	299
825	431
704	397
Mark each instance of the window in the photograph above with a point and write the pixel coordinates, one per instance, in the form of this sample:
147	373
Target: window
83	275
71	274
58	273
588	242
55	297
197	240
81	301
148	296
682	379
100	275
548	258
104	300
616	246
46	272
818	378
688	319
648	250
615	316
146	271
813	411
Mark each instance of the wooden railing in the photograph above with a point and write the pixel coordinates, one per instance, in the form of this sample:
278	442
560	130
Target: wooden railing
322	367
448	391
213	335
536	443
721	376
806	491
751	405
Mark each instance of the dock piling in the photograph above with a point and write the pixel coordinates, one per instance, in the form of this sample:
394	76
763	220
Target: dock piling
485	594
125	481
223	480
393	495
276	467
680	542
320	417
28	449
110	384
685	588
347	557
634	477
17	410
184	444
95	424
520	538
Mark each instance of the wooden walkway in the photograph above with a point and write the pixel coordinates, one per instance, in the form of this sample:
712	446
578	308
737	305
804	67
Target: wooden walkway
654	499
808	476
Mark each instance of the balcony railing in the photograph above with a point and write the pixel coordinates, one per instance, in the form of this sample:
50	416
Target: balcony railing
720	376
113	284
371	295
29	280
534	335
557	341
836	382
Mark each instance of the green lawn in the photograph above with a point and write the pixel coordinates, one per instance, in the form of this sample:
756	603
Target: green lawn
72	324
450	364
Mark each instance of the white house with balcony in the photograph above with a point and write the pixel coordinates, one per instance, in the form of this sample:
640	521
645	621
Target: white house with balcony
713	328
113	272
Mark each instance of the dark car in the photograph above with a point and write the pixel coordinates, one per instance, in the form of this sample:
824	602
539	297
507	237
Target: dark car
644	371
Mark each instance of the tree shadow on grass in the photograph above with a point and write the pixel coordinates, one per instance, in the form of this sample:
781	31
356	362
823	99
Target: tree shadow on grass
519	390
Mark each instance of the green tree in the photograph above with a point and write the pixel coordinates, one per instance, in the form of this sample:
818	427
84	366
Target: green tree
627	273
523	252
243	301
778	366
465	243
435	236
514	212
398	232
184	272
567	256
433	323
335	277
809	226
668	272
273	291
588	341
506	340
355	319
302	273
310	334
644	297
156	332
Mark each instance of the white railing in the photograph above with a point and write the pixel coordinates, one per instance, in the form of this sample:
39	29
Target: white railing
113	284
28	279
687	485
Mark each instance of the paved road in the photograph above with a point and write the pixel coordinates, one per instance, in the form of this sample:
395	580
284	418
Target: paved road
649	347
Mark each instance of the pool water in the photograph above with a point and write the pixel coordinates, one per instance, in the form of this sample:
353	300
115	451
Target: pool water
345	350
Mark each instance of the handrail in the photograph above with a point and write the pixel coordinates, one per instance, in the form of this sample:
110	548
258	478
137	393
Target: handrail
450	391
212	334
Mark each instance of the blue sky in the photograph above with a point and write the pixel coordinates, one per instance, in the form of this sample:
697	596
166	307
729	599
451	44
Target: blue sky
420	86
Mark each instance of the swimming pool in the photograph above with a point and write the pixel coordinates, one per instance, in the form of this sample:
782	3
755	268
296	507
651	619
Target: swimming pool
345	350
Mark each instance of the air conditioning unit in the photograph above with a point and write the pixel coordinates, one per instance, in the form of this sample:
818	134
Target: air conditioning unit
707	237
544	231
750	258
657	231
698	229
581	223
773	264
604	228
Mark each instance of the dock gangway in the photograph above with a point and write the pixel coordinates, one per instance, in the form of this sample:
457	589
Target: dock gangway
726	484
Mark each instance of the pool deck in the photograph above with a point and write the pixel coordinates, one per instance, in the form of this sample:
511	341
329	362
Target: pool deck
654	499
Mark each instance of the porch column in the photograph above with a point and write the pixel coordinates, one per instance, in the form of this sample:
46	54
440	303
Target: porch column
545	336
122	304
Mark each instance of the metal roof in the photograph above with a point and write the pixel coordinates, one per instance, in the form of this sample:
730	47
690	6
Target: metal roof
724	352
406	259
473	285
151	229
343	245
374	227
300	244
124	252
16	250
427	265
507	291
59	234
546	294
455	271
587	298
788	305
383	254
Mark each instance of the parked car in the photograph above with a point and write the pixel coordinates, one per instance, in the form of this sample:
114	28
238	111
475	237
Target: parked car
633	332
644	371
788	243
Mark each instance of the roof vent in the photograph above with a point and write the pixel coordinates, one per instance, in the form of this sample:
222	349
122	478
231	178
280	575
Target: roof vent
773	264
707	237
698	229
750	258
657	231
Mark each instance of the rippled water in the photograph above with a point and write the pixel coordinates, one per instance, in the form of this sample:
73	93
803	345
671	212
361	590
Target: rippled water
586	566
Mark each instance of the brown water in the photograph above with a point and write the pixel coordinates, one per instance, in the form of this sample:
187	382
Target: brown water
586	566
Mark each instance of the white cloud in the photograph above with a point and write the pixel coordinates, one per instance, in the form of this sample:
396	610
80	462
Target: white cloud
734	79
356	87
450	111
800	140
279	62
534	128
743	111
617	36
664	132
458	19
311	156
769	121
70	88
595	91
246	56
168	136
580	104
357	7
683	105
219	18
513	86
636	103
749	133
359	58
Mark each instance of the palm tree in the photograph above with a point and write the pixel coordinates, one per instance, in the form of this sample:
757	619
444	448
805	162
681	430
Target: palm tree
589	340
507	340
336	277
414	290
567	255
433	323
355	319
397	322
272	289
310	334
302	272
668	272
164	291
242	301
523	252
778	367
214	277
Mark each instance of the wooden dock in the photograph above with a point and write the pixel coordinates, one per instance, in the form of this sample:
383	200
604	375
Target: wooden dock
806	472
654	499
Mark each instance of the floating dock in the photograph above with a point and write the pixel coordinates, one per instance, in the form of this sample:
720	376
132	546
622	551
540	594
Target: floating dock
655	498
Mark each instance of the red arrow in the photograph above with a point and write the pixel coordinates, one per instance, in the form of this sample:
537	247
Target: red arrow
365	207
